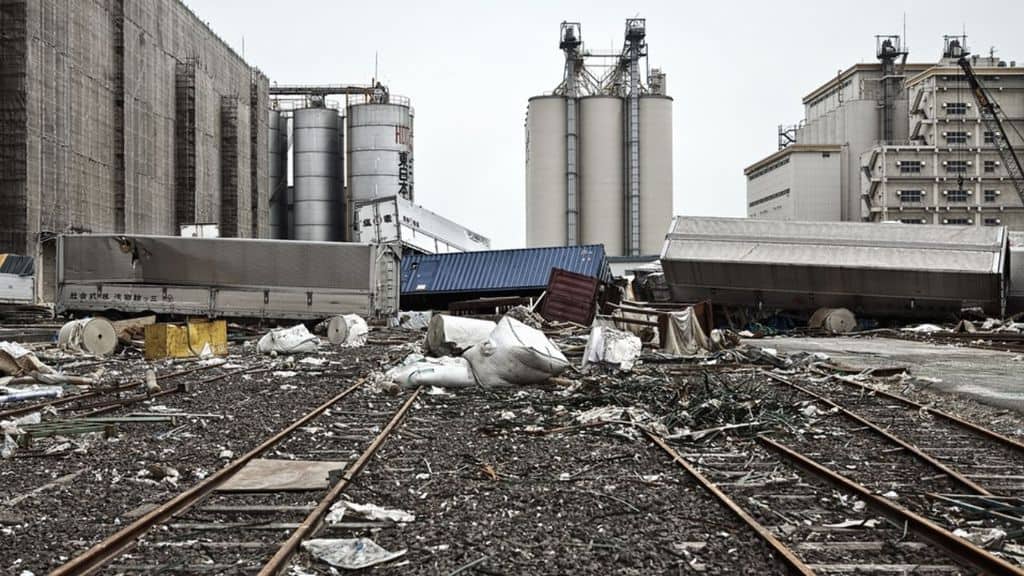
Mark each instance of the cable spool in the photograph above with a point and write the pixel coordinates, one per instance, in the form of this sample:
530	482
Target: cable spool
337	330
833	320
94	336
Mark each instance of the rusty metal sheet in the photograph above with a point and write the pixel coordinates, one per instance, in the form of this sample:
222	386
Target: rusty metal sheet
261	475
570	297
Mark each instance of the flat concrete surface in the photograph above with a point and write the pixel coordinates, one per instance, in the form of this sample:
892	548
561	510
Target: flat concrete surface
987	376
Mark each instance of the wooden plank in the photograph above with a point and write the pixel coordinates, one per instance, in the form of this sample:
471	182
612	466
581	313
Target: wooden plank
886	568
234	526
263	475
256	509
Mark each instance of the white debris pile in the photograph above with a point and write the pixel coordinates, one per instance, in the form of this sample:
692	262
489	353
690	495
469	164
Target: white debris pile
608	346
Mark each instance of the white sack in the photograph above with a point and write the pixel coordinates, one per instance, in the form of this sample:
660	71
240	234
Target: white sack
515	354
294	340
445	371
610	346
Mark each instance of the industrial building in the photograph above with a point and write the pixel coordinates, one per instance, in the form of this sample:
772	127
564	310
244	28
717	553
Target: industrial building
338	155
897	126
416	229
599	150
126	116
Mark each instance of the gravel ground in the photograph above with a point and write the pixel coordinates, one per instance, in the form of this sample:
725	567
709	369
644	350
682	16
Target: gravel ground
113	477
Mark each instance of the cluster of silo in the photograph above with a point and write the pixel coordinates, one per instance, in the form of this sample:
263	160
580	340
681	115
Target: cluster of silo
601	140
321	198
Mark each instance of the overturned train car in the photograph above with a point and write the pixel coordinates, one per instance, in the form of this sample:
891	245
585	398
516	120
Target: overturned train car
876	270
225	277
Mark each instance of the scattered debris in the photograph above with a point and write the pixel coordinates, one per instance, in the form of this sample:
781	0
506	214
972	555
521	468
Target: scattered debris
350	553
294	340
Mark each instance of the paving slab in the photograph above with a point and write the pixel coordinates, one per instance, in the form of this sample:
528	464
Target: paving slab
991	377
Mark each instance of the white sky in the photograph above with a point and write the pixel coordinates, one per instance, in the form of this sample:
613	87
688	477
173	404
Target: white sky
735	69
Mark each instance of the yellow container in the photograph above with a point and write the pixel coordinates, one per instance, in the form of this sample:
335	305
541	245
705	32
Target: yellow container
173	341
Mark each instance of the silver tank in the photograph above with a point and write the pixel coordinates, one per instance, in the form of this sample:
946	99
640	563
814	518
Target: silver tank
545	171
318	209
277	128
601	170
380	150
656	208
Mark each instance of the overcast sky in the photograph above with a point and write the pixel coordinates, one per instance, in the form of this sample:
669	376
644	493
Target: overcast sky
735	69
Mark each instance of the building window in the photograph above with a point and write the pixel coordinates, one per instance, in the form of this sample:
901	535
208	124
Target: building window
366	223
991	195
957	195
956	166
990	165
990	137
958	221
910	195
956	137
957	108
912	221
387	218
993	221
769	198
910	166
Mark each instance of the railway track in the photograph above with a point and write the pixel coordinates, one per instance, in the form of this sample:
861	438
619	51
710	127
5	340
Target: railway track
820	521
256	524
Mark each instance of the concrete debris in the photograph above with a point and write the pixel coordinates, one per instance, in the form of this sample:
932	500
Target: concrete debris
294	340
453	335
350	553
515	354
612	347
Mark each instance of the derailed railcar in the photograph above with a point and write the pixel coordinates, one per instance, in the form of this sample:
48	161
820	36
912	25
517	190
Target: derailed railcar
226	277
876	270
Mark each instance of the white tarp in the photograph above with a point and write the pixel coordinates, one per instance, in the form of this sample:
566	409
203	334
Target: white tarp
684	336
515	354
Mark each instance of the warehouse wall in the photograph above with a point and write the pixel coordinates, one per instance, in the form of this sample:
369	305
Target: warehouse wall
87	122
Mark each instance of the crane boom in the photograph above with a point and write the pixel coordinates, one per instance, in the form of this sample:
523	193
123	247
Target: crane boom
992	116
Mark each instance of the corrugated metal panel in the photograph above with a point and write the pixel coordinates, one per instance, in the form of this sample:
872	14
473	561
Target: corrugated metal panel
498	270
878	269
570	297
17	264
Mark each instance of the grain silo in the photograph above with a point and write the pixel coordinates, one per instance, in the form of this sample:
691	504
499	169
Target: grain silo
380	147
277	125
599	151
318	206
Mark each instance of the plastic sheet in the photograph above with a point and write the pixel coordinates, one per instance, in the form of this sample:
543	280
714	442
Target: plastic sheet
350	553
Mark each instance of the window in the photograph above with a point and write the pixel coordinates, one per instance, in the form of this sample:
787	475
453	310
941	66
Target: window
366	223
910	166
993	221
990	165
990	137
910	195
958	221
957	195
991	195
957	108
912	221
387	218
956	137
769	198
956	166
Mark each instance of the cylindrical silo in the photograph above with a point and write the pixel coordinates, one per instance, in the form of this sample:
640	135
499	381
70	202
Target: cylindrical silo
655	172
546	171
277	139
601	164
380	150
317	172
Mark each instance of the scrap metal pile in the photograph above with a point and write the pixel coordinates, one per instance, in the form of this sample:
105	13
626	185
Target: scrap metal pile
510	445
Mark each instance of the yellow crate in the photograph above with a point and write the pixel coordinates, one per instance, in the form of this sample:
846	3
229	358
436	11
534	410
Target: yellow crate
174	341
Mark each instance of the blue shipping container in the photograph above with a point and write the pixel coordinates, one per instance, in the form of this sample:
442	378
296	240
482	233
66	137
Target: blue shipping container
498	270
